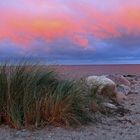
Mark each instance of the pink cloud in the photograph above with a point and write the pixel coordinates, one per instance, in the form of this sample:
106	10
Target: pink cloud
53	20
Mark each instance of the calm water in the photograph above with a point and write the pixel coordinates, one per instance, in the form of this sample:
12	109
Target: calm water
84	70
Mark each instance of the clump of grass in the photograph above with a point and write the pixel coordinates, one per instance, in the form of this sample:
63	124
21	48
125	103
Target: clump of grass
21	89
66	105
30	96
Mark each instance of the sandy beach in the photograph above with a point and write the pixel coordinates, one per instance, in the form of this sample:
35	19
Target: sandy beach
126	126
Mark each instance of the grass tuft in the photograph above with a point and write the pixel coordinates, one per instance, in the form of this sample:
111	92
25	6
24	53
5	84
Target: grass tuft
32	96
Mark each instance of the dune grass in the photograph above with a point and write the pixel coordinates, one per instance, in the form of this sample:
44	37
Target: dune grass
30	96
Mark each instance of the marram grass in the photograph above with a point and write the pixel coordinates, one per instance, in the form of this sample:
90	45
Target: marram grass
30	96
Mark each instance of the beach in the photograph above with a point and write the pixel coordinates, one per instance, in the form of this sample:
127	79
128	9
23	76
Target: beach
124	126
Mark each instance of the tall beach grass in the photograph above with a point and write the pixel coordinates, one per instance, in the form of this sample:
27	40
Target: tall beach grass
32	96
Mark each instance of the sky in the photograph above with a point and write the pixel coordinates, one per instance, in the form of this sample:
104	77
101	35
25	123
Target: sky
71	31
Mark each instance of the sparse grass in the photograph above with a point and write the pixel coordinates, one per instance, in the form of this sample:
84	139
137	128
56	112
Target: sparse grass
30	96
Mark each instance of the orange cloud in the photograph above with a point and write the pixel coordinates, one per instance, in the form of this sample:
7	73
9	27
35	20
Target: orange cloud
23	29
76	23
130	19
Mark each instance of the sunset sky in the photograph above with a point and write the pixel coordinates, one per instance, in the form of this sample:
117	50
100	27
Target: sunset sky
71	31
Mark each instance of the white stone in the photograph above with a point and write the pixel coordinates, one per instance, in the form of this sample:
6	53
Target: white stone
100	81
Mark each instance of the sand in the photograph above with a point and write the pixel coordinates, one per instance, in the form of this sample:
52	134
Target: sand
116	127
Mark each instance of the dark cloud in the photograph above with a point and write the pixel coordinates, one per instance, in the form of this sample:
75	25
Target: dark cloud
123	49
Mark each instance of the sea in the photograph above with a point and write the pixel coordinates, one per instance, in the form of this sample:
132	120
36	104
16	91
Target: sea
77	71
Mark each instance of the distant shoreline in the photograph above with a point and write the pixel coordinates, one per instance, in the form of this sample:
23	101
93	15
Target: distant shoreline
77	71
91	64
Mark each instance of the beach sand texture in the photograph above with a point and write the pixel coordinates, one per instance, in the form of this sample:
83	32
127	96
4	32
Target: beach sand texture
126	127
